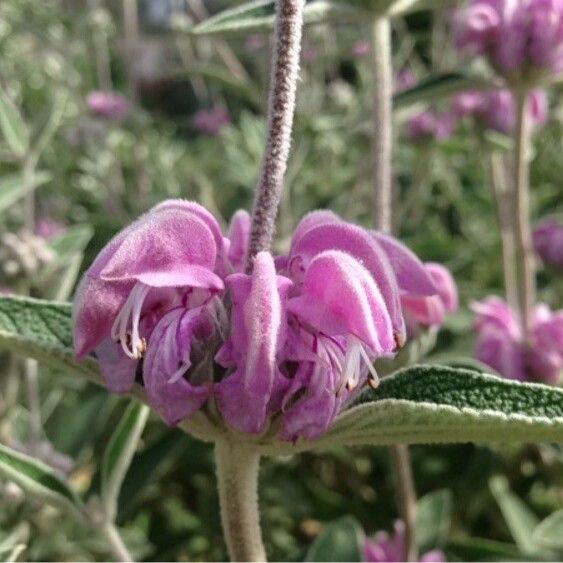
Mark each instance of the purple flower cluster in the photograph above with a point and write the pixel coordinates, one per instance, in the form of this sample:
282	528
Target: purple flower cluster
386	548
166	302
211	121
430	125
548	242
523	40
496	109
500	342
108	105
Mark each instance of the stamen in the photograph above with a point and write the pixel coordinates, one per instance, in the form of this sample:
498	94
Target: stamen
132	344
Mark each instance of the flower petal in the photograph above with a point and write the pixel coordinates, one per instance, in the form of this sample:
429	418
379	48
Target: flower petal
119	370
239	233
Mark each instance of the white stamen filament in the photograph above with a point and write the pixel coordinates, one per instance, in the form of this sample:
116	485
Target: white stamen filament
133	346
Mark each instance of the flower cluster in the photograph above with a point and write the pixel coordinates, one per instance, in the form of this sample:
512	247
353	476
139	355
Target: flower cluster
522	40
430	125
167	303
384	547
108	105
548	242
501	345
496	109
212	121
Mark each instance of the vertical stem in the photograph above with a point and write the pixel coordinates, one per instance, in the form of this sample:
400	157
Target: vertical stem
115	542
237	477
33	404
382	122
505	213
522	230
281	108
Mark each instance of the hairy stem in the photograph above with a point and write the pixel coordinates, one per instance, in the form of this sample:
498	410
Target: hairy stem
505	213
281	109
522	230
406	497
115	543
382	122
237	477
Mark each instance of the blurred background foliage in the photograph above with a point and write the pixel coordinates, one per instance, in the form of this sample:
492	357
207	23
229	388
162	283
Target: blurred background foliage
95	175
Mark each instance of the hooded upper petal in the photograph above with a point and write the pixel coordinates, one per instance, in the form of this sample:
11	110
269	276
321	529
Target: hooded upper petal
239	233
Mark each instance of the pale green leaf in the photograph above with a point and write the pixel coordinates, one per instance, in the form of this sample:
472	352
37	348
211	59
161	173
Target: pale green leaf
38	480
433	520
341	540
257	16
549	532
521	521
119	453
441	404
12	126
13	187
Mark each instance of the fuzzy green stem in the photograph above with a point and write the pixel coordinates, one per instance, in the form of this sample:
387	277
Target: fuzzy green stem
115	543
522	231
237	478
281	109
382	69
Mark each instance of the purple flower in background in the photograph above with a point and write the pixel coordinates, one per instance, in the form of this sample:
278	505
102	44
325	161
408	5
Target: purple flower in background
109	105
361	48
211	121
304	328
431	310
255	43
48	228
521	39
500	342
548	242
404	80
496	109
392	548
431	126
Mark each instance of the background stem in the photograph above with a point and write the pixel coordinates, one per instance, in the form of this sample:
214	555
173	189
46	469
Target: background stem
505	212
116	544
237	477
382	122
281	108
522	230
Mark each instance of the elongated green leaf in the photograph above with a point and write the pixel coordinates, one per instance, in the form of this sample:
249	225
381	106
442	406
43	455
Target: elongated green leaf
549	532
433	520
13	188
435	88
341	540
258	16
38	479
12	126
441	404
119	453
481	549
521	521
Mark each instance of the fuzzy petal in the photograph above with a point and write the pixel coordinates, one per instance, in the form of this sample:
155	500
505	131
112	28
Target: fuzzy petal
118	370
239	233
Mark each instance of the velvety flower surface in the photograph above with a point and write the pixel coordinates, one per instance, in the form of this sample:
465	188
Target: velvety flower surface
522	40
167	303
109	105
500	342
385	547
548	242
496	109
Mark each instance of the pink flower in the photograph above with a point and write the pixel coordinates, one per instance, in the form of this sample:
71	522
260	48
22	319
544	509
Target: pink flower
500	342
548	242
431	310
48	228
404	80
361	48
522	39
430	126
384	547
496	109
109	105
212	121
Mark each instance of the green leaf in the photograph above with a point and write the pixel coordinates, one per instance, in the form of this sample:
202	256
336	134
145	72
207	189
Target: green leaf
434	88
12	126
341	540
521	521
38	480
480	549
119	453
42	330
433	520
258	16
549	532
13	188
441	404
